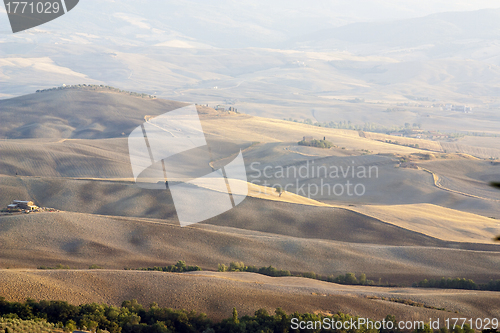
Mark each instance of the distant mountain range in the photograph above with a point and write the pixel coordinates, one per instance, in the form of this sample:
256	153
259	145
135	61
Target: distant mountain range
439	28
267	65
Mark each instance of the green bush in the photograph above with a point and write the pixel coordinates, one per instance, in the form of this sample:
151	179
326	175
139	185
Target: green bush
133	317
179	267
240	267
12	324
316	143
456	283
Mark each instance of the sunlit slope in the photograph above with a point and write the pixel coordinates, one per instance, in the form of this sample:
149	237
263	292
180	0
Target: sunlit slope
428	219
463	185
265	210
440	222
482	148
272	130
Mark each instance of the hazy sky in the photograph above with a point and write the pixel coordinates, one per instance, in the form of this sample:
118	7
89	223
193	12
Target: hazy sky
353	10
393	9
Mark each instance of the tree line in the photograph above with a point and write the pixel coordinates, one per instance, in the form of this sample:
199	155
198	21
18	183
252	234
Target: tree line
179	267
458	283
348	278
132	317
241	267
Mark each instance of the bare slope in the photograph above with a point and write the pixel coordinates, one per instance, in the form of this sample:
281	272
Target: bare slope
288	216
217	293
468	176
105	158
264	210
80	240
75	113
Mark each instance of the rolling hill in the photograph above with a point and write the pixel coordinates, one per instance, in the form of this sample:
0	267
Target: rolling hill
76	113
217	293
80	240
67	149
427	213
436	59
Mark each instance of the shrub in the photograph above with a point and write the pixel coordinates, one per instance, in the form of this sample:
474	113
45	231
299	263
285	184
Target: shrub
316	143
179	267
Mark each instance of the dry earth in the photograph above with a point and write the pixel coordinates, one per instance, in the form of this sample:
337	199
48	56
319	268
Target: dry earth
217	293
80	240
403	230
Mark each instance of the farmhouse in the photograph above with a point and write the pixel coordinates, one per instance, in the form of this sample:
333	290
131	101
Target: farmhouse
437	135
21	204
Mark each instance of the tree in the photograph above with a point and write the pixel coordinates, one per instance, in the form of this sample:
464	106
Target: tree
159	327
92	325
236	266
350	278
282	323
181	266
235	316
362	279
114	328
392	319
70	326
261	313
